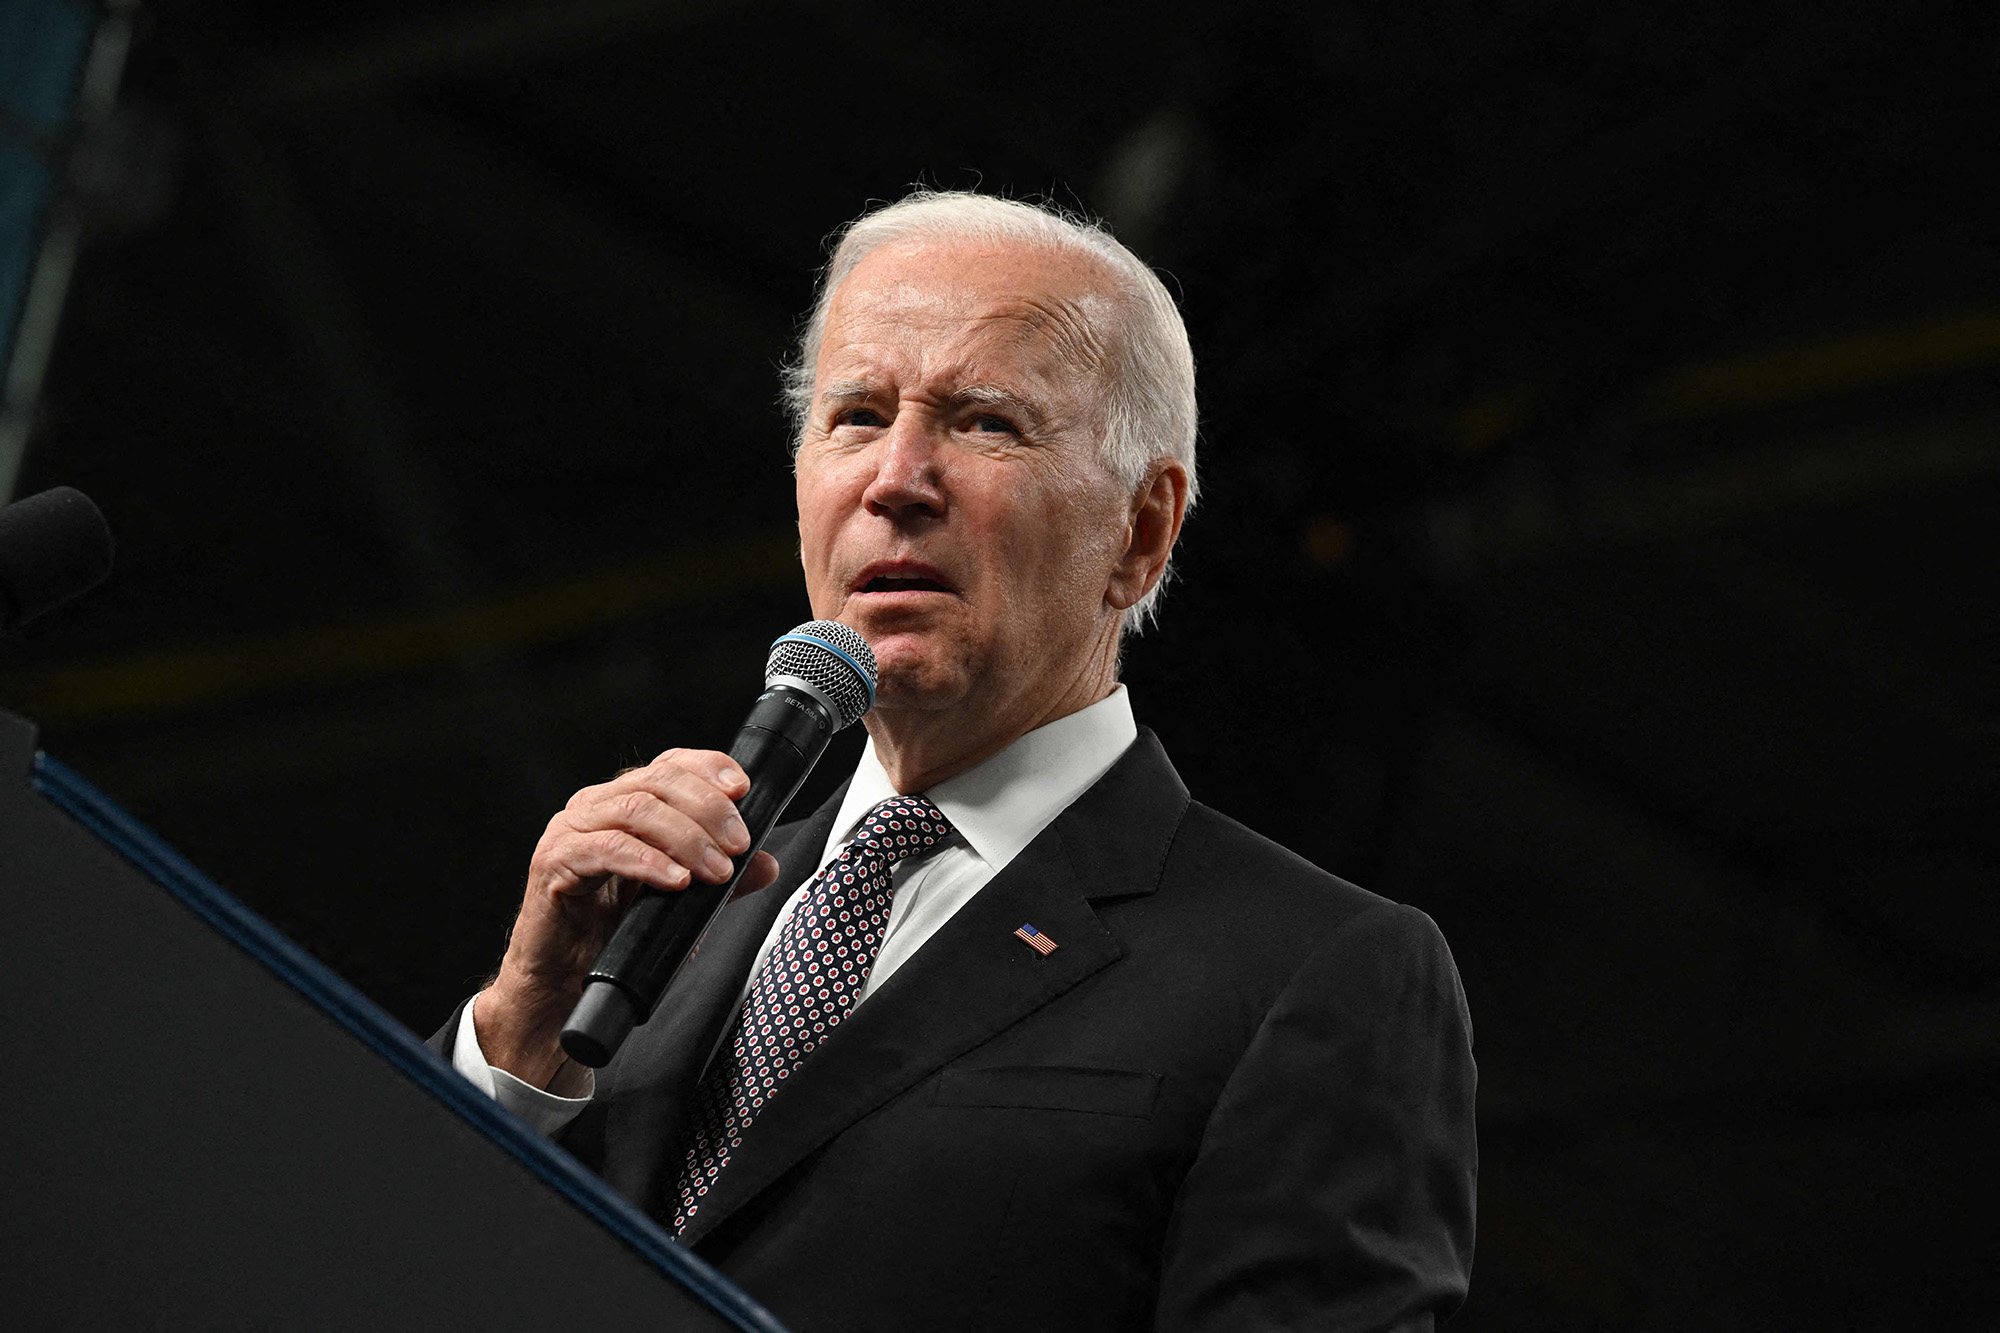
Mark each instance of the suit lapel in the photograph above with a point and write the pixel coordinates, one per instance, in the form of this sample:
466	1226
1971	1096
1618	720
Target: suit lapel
974	978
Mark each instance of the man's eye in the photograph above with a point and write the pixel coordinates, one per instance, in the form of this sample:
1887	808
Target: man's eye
988	423
859	416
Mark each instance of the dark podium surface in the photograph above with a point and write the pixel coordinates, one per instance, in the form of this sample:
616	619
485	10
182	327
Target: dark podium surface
205	1128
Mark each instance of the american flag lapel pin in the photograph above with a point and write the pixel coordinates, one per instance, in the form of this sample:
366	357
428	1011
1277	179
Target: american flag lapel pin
1035	940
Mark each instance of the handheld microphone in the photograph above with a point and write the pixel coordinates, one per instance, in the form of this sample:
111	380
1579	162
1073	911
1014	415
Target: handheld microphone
819	678
53	546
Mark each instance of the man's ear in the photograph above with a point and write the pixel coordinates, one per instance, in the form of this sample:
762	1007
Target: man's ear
1153	525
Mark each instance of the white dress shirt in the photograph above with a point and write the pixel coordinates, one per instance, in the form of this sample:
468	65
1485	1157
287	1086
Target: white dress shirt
997	807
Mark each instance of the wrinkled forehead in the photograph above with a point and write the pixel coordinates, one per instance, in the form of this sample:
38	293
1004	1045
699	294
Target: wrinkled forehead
960	300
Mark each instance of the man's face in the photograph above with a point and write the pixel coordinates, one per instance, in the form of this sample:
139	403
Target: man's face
953	505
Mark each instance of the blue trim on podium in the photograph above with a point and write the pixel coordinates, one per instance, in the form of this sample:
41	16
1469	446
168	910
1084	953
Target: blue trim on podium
394	1042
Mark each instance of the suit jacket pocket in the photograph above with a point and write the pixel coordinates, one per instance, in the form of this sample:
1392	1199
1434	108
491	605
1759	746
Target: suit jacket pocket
1050	1088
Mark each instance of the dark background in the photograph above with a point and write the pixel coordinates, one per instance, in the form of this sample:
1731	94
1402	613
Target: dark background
1601	444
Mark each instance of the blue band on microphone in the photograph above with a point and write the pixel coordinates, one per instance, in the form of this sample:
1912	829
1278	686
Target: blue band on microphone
867	678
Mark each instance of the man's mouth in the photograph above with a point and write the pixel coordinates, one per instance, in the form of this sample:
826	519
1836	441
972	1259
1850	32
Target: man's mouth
901	576
894	583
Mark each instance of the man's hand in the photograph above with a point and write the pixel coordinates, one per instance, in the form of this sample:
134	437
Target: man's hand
665	825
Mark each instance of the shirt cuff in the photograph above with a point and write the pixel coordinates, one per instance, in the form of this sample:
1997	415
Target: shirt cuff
545	1111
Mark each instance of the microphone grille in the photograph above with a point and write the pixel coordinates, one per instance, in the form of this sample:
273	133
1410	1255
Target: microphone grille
833	659
53	546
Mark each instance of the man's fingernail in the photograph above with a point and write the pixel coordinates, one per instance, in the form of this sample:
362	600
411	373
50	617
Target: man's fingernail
715	863
738	831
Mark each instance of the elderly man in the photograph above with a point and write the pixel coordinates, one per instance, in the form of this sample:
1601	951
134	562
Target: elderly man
1115	1061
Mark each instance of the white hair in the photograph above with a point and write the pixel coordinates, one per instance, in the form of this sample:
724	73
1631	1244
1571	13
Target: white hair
1149	408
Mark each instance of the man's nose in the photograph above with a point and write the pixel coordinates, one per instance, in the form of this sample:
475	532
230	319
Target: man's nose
909	471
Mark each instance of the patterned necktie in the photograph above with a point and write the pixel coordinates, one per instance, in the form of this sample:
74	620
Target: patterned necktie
810	981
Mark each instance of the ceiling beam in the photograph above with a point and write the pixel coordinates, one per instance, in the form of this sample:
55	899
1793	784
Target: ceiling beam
475	40
1519	519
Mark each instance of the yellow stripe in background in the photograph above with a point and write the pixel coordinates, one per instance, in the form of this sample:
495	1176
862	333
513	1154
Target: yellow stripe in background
407	641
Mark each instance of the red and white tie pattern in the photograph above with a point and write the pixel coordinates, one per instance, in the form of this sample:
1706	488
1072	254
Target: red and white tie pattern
811	979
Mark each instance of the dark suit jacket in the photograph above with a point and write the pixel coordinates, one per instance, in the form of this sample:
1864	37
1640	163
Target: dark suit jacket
1238	1095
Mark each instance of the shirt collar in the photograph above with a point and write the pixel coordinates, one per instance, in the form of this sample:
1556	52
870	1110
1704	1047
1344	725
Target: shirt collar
1002	802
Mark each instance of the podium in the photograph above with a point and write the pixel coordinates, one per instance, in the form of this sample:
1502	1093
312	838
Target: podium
206	1128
